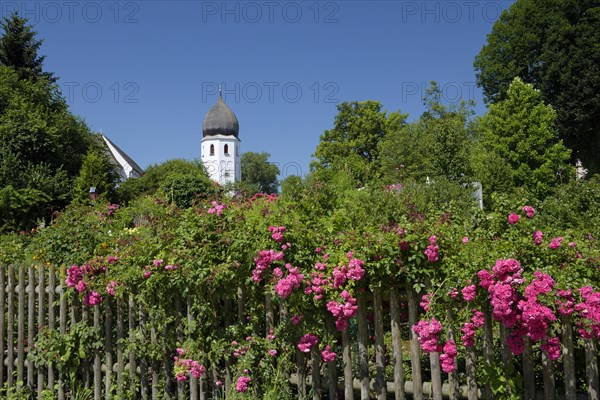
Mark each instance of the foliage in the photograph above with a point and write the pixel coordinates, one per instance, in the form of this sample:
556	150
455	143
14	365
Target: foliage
352	143
19	49
181	181
553	45
258	174
437	145
518	136
96	171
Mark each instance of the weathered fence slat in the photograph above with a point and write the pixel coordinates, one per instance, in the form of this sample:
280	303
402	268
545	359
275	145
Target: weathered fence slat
436	376
51	317
41	322
415	350
155	363
301	368
528	374
97	359
363	354
397	344
108	349
21	326
144	389
470	359
30	324
10	339
347	360
62	318
548	376
132	364
380	383
332	380
2	326
568	358
452	376
190	320
315	373
120	356
488	348
591	368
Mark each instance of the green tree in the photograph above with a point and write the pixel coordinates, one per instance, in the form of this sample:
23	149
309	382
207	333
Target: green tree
353	143
437	145
552	44
19	49
258	174
180	181
99	172
519	132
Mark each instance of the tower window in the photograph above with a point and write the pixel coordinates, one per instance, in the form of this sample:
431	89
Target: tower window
212	149
226	149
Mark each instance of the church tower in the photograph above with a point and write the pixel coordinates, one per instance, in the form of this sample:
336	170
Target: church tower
220	144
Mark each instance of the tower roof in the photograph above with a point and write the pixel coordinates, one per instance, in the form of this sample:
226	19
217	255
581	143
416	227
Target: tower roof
220	120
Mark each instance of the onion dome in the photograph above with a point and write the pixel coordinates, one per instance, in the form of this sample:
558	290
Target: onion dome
220	120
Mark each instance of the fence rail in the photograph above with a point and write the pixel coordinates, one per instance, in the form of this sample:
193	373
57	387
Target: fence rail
33	300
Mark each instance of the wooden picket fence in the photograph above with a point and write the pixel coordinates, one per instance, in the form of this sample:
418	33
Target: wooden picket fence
34	300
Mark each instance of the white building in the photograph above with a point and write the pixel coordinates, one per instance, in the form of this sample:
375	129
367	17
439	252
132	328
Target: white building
220	144
126	167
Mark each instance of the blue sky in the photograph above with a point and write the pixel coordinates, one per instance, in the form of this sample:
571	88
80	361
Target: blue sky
146	72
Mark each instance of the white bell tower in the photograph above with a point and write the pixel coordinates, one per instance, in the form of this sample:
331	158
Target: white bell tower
220	144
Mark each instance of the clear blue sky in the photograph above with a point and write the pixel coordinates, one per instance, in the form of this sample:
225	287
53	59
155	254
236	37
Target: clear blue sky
146	72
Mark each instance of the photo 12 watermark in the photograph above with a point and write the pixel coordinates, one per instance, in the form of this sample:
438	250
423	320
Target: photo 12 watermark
271	92
451	92
53	12
451	11
95	92
253	12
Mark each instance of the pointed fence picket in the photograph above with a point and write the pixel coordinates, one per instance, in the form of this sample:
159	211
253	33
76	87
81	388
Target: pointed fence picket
34	299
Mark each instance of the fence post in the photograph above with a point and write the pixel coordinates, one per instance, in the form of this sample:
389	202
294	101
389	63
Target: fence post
380	383
436	376
397	344
41	322
62	317
549	380
120	337
143	359
21	327
591	368
315	361
2	323
568	358
301	373
30	324
10	345
415	350
363	354
528	374
488	347
347	359
108	350
452	376
51	318
190	320
132	363
471	373
97	360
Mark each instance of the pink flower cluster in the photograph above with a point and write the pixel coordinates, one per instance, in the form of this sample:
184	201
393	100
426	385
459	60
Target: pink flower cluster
148	269
469	292
110	288
75	278
428	335
307	342
327	355
425	301
529	211
589	311
555	243
317	284
501	283
344	311
216	208
513	218
277	233
239	350
353	271
263	262
470	328
566	302
552	348
535	318
242	384
285	286
92	298
448	357
538	237
432	251
185	366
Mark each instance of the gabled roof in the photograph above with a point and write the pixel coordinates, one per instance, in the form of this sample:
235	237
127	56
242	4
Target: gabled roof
120	158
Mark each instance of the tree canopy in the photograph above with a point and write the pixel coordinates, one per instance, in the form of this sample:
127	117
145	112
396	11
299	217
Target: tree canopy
19	49
518	135
552	44
258	174
353	142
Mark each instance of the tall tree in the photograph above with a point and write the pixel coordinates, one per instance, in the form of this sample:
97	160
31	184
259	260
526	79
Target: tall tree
258	174
19	49
353	143
518	136
552	44
437	145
